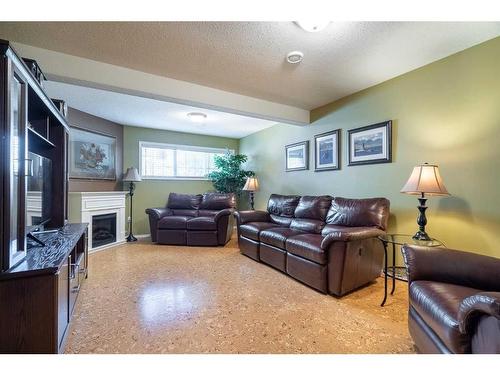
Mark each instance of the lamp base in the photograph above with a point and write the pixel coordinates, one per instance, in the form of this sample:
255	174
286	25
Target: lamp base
421	236
131	238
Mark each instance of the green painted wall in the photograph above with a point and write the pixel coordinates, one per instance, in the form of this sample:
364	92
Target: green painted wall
154	193
447	113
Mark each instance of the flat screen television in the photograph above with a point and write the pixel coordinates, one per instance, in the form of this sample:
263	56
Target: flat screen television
38	195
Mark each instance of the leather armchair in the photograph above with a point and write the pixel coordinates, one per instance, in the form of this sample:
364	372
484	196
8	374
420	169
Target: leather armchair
454	300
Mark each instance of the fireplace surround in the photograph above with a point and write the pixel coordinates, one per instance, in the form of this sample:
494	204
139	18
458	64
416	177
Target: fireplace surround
98	209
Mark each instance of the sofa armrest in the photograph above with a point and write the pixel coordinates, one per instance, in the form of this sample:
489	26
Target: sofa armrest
484	303
350	235
452	266
224	212
158	213
243	217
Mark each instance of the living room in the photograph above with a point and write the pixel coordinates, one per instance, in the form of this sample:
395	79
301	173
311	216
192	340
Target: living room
269	187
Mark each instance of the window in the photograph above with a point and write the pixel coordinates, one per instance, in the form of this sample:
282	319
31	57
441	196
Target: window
165	161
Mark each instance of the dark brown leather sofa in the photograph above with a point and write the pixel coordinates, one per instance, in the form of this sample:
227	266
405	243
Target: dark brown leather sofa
329	244
193	219
454	300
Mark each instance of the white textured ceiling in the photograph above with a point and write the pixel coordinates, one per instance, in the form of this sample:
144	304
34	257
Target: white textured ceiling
249	57
144	112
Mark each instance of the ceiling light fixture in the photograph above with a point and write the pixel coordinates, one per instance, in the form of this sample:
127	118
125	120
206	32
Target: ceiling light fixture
197	116
312	26
294	57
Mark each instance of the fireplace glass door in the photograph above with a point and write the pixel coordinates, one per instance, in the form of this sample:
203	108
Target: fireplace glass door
103	230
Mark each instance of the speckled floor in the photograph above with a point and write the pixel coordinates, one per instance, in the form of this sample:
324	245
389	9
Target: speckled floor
145	298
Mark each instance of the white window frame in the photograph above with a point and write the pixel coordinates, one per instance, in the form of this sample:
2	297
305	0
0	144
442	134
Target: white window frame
174	147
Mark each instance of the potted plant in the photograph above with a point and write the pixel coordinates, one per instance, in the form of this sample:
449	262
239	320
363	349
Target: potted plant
229	177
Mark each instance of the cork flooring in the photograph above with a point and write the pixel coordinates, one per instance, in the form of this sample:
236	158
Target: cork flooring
146	298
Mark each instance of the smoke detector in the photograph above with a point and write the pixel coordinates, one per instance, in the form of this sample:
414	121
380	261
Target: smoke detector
312	26
294	57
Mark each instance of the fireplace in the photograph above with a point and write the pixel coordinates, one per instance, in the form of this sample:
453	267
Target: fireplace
84	207
103	229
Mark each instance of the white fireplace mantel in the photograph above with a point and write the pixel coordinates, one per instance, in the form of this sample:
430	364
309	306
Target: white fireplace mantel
84	205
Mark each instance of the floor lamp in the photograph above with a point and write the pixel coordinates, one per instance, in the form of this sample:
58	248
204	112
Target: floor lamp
131	176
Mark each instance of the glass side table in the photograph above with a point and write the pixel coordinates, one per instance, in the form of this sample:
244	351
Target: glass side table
399	239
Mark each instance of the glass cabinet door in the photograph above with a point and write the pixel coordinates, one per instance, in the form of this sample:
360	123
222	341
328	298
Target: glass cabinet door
17	156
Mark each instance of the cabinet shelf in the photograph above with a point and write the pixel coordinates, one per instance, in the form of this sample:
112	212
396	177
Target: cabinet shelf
37	140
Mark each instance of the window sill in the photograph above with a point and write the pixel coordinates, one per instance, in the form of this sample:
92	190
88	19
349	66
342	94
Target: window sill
175	178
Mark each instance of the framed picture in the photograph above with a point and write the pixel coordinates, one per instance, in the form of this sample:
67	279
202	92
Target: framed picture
297	156
370	144
92	155
327	151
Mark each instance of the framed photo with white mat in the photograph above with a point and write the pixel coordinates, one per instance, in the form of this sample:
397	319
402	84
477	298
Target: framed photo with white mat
327	151
370	144
297	156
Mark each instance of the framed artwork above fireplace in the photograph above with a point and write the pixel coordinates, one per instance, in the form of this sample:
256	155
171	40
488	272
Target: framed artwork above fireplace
92	155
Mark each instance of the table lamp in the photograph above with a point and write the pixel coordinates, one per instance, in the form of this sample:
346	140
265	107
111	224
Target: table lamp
425	179
131	176
252	185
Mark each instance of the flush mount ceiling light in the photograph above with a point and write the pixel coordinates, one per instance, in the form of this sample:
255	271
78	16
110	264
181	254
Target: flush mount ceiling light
312	26
197	116
294	57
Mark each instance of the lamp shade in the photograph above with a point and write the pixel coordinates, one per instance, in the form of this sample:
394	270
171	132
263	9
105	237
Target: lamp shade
252	184
132	175
426	179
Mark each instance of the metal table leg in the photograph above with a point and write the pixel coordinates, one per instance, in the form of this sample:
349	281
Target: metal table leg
385	273
393	268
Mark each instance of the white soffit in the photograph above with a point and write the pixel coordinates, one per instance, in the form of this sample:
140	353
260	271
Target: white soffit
151	113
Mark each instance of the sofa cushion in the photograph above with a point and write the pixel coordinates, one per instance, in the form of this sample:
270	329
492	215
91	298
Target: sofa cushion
184	201
371	212
217	201
179	212
201	223
307	225
277	236
307	246
173	222
282	208
313	207
253	229
209	213
438	305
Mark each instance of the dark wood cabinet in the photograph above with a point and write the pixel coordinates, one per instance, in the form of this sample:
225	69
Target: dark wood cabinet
29	122
38	295
39	285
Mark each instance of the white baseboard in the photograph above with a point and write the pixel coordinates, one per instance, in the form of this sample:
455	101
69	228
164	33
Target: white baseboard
106	247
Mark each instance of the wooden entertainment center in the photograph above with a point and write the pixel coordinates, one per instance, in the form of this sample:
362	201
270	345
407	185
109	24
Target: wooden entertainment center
39	284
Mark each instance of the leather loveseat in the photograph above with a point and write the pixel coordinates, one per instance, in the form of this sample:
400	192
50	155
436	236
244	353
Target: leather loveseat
193	219
454	300
329	244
